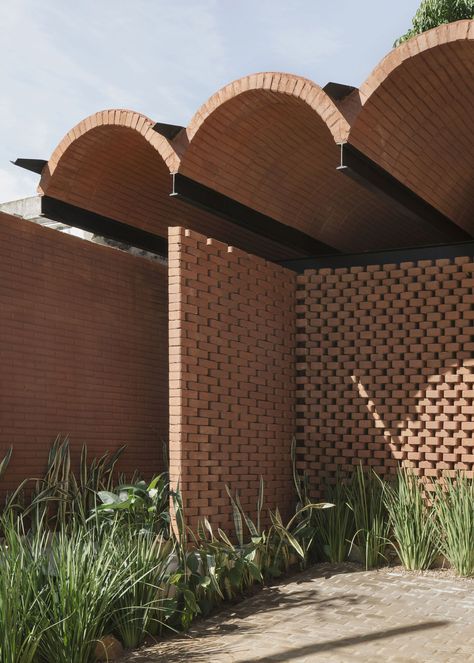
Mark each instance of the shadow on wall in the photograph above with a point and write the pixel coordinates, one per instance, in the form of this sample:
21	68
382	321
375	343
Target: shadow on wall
388	371
435	434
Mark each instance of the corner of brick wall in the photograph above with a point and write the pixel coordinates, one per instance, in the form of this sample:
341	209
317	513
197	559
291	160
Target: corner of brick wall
232	377
385	369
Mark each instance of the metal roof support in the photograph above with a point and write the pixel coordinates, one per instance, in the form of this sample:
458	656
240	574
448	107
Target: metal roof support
35	165
57	210
204	197
169	131
370	175
382	257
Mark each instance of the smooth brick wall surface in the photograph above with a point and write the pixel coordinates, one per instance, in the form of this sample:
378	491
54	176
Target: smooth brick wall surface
385	368
232	377
83	350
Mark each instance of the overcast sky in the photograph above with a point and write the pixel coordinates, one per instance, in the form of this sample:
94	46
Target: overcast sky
62	60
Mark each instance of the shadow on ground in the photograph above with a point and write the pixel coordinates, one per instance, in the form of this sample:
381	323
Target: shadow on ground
230	620
197	652
329	645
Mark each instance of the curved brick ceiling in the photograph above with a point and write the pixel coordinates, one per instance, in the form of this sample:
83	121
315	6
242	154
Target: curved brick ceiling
270	141
416	114
113	163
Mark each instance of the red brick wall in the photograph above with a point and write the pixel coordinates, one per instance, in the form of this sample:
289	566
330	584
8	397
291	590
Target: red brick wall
83	348
232	375
385	368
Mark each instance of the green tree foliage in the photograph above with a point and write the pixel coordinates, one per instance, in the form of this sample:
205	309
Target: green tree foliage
432	13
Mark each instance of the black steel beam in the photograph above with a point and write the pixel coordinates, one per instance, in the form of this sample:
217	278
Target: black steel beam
71	215
338	91
212	201
169	131
35	165
382	257
370	175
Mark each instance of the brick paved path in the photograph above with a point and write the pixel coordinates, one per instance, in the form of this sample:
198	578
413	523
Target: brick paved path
334	615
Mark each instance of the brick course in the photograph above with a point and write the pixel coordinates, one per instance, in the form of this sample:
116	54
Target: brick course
232	376
426	150
385	371
83	348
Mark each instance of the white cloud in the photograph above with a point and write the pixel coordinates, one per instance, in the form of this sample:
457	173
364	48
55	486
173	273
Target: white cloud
63	61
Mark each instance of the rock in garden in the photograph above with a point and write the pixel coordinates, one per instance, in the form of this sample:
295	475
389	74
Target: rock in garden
108	648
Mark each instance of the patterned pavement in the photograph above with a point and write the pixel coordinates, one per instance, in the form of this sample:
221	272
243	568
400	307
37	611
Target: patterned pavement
329	614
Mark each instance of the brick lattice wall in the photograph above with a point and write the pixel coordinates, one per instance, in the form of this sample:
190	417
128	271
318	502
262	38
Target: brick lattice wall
232	376
83	348
385	368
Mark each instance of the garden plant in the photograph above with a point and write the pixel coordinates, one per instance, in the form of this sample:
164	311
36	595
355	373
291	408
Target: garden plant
86	557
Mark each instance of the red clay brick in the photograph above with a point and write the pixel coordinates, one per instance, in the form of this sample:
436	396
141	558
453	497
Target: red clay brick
243	402
412	380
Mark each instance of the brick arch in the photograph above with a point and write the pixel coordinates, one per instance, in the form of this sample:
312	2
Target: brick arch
119	118
276	82
414	118
113	163
269	140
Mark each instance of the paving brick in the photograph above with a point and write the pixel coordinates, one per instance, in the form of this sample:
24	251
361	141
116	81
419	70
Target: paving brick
332	615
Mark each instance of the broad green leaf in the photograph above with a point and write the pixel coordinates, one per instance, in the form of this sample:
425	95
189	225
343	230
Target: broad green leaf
235	576
154	482
190	601
192	563
254	571
239	530
107	497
